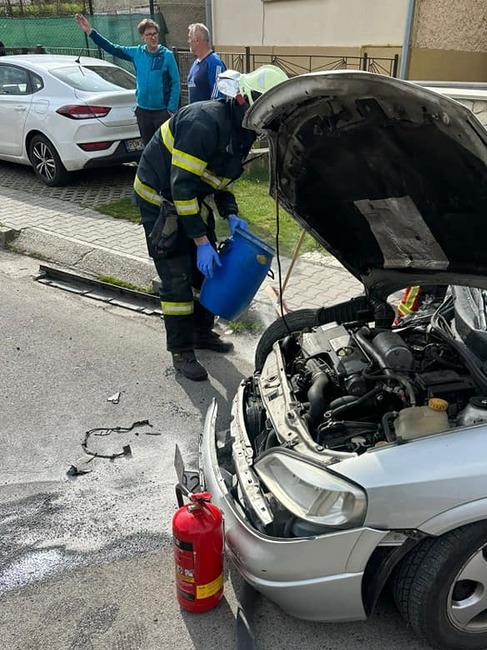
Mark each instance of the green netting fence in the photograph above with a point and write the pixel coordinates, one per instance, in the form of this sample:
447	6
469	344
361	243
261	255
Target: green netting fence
61	34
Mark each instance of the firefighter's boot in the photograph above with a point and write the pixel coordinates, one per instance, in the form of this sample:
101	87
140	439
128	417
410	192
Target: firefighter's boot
187	364
210	340
204	336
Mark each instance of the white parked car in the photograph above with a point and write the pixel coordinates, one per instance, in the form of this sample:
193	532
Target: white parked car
356	455
65	113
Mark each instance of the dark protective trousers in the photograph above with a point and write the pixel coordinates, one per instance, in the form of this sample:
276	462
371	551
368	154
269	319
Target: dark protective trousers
180	283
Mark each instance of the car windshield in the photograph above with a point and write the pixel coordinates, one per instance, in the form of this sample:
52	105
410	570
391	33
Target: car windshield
95	78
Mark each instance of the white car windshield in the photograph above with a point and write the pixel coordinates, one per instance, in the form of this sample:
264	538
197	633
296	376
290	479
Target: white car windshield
95	78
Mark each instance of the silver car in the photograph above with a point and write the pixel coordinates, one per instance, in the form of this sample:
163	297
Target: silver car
356	456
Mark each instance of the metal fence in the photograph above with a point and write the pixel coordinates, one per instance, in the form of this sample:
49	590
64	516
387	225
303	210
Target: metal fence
292	64
244	61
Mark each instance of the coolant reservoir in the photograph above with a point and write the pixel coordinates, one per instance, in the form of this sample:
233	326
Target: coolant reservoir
417	421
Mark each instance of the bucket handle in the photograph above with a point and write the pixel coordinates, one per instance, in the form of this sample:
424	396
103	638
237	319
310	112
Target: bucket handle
225	246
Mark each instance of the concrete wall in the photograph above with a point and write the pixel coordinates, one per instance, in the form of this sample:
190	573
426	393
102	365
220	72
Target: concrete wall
310	23
450	40
451	25
178	15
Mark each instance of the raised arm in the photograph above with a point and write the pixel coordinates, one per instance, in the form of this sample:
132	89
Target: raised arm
121	51
83	24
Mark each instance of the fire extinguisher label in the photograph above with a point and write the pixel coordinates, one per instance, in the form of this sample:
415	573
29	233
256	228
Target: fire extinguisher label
210	589
183	555
184	546
187	575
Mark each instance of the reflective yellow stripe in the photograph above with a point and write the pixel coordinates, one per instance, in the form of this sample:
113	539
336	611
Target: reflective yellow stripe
177	308
411	297
185	208
213	180
146	192
210	179
187	162
403	311
167	136
407	306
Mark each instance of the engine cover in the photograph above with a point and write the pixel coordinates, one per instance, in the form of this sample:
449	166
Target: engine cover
336	344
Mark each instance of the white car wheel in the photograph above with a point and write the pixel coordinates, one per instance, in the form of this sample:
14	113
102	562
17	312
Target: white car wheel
46	162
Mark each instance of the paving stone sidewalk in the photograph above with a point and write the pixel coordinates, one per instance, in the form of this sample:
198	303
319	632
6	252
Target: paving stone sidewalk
92	238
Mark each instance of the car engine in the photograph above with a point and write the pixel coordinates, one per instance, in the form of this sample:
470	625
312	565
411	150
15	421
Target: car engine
344	388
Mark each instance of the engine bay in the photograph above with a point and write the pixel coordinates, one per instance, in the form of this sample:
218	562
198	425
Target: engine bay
335	390
349	385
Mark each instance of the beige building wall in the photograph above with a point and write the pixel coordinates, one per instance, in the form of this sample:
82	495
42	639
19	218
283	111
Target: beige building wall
449	40
309	23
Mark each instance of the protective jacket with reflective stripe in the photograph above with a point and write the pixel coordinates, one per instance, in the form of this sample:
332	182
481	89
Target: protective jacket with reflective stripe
199	151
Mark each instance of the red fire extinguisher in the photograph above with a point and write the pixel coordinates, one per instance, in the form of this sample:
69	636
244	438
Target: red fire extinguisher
198	553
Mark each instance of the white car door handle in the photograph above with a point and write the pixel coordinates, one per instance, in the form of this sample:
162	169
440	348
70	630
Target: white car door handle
20	109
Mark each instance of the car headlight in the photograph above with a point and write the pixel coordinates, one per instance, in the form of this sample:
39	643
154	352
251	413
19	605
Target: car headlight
311	492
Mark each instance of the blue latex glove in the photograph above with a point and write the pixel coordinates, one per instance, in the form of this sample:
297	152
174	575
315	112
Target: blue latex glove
235	222
206	258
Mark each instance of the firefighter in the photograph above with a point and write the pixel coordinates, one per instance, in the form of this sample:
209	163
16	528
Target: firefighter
197	153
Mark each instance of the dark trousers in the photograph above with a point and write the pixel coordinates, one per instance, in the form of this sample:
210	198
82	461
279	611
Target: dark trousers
180	280
180	283
149	122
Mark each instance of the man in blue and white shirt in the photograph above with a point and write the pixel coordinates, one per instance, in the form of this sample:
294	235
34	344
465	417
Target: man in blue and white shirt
206	68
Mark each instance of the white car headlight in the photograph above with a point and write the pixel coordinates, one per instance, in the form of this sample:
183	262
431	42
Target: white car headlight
311	492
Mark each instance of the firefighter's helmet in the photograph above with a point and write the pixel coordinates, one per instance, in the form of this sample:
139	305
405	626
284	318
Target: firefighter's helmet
250	85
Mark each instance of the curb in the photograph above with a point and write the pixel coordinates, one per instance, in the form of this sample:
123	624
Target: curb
83	258
7	236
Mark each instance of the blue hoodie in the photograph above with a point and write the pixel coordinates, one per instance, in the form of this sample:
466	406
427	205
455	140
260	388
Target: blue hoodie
156	73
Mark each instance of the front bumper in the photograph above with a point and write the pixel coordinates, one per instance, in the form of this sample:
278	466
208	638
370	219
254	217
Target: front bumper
315	578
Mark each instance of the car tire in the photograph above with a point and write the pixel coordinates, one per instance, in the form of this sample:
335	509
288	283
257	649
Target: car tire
440	589
293	322
46	162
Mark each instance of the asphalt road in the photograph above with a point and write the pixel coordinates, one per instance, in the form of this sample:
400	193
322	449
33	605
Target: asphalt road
86	563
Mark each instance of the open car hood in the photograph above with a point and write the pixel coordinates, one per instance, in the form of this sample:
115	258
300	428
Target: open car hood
390	177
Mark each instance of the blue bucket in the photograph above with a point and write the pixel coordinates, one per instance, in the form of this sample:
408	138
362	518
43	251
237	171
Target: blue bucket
245	263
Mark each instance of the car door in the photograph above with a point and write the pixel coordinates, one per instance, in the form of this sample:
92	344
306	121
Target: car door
16	88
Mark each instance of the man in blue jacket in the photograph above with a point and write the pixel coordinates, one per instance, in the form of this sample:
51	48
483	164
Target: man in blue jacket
156	72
